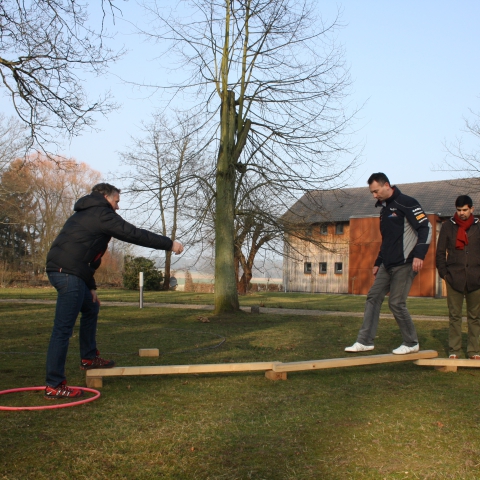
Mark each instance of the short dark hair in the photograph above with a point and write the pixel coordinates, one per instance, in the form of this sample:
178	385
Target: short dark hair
105	189
379	177
463	200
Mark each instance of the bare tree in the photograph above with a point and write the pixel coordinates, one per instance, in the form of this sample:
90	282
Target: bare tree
168	166
13	140
44	46
271	81
460	159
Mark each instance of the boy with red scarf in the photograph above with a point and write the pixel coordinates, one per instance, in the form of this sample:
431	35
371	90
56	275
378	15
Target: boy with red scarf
458	263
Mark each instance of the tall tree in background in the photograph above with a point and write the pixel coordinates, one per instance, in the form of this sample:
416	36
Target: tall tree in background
42	195
167	162
13	140
271	82
44	45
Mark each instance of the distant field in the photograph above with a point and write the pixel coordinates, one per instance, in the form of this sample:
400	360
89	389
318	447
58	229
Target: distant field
341	303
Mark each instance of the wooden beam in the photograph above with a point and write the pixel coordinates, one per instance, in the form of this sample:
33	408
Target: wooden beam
448	364
180	369
351	361
273	370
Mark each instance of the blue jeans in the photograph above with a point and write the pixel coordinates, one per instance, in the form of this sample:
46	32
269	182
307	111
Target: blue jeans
397	281
73	297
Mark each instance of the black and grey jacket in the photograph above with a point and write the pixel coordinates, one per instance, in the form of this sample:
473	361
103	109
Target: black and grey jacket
460	268
405	228
84	238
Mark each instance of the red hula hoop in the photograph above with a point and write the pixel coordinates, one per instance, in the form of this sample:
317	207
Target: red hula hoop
49	407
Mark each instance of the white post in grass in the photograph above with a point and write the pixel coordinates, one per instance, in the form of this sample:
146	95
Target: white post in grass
140	283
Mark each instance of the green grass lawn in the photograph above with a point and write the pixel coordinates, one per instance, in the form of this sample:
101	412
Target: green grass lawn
390	421
343	303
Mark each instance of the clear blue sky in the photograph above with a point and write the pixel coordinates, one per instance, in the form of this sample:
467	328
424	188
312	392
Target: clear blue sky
416	64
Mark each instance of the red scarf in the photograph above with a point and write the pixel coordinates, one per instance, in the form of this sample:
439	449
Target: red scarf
463	226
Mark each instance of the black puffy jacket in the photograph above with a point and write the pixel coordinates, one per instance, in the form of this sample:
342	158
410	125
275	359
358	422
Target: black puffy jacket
84	238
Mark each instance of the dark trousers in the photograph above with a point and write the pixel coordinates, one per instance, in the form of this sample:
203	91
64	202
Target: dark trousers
397	281
455	304
73	297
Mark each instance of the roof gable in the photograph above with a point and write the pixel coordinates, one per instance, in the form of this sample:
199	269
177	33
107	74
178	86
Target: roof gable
340	205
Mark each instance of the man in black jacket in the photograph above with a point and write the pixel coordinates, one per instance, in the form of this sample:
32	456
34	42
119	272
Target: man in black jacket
71	263
458	263
406	235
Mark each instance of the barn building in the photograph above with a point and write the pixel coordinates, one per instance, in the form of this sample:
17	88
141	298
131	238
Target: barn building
344	228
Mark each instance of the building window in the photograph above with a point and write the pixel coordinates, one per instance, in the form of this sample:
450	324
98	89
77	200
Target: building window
338	267
322	267
307	267
339	229
324	229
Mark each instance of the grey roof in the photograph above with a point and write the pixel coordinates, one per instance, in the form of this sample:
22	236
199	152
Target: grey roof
340	205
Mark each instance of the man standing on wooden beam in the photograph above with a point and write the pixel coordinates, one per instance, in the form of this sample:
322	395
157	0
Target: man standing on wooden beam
459	240
406	236
71	263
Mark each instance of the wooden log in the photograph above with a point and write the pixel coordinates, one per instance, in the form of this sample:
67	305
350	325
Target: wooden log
180	369
148	352
351	361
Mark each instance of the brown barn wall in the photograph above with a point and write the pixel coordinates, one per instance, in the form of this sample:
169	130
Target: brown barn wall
365	240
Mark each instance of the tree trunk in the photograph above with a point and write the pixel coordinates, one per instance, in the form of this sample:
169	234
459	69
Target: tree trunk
226	295
244	282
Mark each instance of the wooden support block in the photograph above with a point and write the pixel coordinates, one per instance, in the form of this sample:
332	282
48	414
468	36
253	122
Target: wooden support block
271	375
149	352
94	382
351	361
446	369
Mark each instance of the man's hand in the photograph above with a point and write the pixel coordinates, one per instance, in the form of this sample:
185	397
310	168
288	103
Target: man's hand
417	264
95	298
375	271
177	247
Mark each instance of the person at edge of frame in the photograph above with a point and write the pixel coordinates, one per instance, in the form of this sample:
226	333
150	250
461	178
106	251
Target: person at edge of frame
458	263
73	258
406	235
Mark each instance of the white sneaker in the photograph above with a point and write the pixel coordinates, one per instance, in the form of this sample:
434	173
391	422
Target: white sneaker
358	347
403	349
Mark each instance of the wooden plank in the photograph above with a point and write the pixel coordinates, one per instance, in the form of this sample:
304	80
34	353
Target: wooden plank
352	361
448	362
148	352
180	369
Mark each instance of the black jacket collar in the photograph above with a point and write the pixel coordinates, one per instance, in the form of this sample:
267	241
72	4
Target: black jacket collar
396	193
